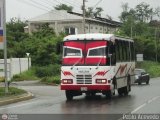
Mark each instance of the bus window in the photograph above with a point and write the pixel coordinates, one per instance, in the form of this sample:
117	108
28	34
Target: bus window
124	51
112	50
132	52
121	50
127	51
117	51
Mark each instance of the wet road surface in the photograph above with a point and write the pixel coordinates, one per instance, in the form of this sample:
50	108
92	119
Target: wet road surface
51	100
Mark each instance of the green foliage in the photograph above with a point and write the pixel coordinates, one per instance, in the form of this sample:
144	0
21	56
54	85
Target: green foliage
90	12
12	91
64	7
152	68
42	44
51	80
136	25
48	71
27	75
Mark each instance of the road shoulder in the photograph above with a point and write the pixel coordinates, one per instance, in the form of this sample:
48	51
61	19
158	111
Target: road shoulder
17	98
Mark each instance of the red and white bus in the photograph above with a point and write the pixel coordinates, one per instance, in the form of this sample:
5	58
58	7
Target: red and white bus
97	63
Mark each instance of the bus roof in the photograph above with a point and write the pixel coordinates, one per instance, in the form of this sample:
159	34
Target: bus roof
95	36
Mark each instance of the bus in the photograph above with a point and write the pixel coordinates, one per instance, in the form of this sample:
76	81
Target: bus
97	63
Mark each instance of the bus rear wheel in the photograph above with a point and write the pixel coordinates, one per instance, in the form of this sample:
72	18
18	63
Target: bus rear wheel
69	95
126	90
120	91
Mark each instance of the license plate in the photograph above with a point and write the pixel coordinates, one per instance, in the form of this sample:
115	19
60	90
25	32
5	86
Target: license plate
83	88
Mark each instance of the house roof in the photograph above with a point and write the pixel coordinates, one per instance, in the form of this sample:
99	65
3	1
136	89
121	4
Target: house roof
55	15
61	15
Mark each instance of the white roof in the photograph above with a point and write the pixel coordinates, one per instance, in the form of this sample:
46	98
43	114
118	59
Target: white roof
93	36
55	15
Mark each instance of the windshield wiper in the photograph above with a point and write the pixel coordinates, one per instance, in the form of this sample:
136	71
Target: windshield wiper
99	62
76	63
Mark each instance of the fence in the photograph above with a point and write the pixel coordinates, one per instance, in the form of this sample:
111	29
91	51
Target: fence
14	66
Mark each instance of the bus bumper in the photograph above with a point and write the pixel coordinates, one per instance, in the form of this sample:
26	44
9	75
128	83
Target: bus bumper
86	87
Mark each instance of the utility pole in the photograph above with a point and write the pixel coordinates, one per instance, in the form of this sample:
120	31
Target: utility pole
131	30
156	43
84	13
5	46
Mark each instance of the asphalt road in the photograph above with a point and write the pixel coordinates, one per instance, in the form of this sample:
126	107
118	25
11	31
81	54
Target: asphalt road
51	100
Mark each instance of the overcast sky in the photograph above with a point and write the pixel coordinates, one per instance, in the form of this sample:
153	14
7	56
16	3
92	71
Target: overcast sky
26	9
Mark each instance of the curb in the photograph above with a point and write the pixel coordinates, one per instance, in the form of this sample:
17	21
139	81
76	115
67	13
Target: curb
18	98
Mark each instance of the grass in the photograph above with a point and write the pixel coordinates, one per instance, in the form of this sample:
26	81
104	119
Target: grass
47	74
27	75
153	68
51	80
12	92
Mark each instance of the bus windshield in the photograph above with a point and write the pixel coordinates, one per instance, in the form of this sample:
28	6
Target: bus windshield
85	52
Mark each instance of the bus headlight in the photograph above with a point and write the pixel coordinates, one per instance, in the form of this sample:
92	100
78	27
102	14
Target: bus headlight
67	81
101	81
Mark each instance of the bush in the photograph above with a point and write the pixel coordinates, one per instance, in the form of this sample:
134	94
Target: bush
48	71
151	67
51	80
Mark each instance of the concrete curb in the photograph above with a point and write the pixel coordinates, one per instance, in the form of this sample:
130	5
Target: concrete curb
14	99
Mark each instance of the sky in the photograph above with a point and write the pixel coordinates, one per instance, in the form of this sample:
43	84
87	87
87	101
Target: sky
27	9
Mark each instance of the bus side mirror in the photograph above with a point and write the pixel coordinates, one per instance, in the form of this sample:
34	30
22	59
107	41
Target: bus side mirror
110	55
110	58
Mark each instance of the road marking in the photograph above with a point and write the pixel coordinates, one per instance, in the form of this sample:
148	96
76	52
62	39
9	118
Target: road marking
143	105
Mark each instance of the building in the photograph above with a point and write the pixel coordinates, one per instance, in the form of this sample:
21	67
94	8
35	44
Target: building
72	23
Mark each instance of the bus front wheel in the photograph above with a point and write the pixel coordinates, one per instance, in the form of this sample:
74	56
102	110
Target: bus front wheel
108	94
69	95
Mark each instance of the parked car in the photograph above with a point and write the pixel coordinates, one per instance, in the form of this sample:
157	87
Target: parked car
141	76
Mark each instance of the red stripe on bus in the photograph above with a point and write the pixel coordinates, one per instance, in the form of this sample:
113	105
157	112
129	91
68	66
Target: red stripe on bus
89	87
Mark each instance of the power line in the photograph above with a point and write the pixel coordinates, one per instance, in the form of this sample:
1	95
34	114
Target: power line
36	6
48	3
39	4
30	4
97	3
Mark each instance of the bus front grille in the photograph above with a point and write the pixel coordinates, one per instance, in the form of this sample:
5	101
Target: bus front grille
84	79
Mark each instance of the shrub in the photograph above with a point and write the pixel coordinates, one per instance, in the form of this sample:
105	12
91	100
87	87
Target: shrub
48	71
51	80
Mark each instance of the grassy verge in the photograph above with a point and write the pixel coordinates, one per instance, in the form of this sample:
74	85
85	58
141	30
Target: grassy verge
47	74
152	68
27	75
53	80
12	92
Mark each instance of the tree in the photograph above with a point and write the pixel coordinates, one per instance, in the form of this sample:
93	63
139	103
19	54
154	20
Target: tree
144	12
98	12
64	7
89	12
15	30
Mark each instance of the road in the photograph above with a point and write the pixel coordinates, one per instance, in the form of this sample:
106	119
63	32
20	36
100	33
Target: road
51	100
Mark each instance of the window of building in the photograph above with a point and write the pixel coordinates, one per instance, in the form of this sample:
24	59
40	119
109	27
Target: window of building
71	30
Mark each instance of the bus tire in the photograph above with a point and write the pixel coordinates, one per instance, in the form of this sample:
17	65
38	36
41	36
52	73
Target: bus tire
126	90
120	91
108	94
129	83
69	95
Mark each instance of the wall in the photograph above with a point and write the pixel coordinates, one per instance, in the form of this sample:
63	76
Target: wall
14	66
91	26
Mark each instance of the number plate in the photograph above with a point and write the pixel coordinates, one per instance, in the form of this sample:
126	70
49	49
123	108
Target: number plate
83	88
